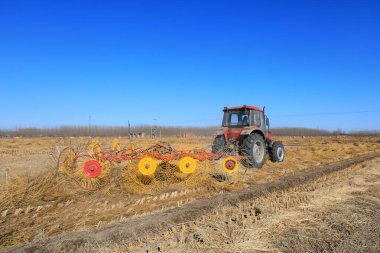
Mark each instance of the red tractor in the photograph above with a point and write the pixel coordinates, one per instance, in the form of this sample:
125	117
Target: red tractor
245	132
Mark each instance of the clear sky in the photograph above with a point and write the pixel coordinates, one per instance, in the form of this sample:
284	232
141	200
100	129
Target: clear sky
181	62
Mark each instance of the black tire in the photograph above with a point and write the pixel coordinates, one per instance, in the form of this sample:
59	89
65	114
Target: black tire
277	152
254	149
218	144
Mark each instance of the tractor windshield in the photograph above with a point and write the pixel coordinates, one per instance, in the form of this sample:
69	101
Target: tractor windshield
236	118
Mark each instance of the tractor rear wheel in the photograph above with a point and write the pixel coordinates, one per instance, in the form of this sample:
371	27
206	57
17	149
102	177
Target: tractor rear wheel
218	144
254	149
277	152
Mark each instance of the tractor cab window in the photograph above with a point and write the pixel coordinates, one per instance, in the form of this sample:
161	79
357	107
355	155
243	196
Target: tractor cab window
257	118
238	118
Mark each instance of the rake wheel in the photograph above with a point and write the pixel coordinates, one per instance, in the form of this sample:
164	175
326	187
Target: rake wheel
65	160
89	173
94	148
166	172
116	145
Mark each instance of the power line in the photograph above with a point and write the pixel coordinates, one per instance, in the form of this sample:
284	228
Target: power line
295	115
325	113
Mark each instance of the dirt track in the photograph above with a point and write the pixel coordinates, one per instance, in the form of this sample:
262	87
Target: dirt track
137	228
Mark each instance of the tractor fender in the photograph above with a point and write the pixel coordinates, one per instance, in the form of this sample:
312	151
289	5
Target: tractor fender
252	131
246	132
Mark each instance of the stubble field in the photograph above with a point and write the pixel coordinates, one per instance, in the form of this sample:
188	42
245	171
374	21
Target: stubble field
37	203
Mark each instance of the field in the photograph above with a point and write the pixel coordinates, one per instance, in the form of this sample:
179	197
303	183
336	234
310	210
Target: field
310	202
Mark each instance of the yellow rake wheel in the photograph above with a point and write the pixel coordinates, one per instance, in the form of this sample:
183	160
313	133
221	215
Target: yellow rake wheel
147	166
66	160
94	148
133	179
116	145
230	164
187	165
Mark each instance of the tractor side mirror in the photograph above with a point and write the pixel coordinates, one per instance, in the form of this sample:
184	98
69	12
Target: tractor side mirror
267	121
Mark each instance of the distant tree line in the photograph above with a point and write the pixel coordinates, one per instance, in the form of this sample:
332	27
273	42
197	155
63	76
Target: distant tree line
298	131
109	131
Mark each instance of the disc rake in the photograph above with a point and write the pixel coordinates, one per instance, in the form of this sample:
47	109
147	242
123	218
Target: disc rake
158	165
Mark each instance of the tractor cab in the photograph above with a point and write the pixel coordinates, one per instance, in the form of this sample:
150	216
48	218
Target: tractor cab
242	120
243	117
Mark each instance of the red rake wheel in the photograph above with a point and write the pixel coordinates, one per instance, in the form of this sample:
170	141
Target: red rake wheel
230	164
90	174
92	169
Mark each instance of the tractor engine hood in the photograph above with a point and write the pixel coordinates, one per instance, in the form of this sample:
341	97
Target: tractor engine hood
234	133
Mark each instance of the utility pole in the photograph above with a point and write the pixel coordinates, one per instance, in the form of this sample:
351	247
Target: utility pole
129	131
154	129
89	125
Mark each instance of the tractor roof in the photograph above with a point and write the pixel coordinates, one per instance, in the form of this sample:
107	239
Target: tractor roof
250	107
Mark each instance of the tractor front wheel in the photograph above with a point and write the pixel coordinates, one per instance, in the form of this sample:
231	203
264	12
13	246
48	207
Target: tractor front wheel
254	150
277	152
218	144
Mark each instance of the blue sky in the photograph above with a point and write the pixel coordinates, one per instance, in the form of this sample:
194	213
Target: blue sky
183	61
